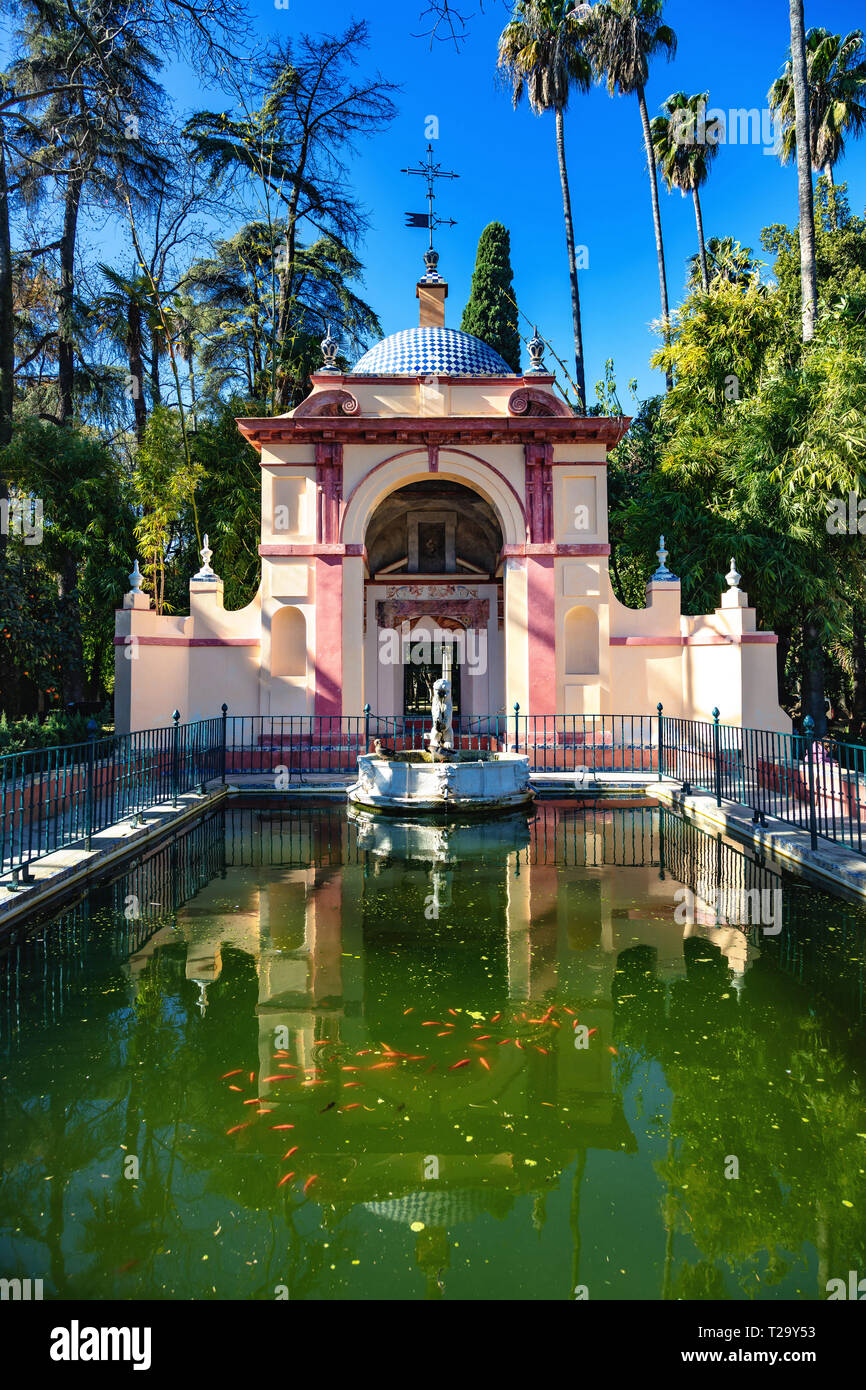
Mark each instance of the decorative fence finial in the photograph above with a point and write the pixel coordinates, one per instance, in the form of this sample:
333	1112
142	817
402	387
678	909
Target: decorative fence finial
535	348
663	574
135	579
329	348
732	576
205	573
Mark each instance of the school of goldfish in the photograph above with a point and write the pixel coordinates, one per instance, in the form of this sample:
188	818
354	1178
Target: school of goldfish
333	1064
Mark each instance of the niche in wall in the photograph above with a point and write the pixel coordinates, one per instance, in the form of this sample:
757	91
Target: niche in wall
288	642
581	642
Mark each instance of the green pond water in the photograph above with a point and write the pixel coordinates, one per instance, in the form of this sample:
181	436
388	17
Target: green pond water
497	1062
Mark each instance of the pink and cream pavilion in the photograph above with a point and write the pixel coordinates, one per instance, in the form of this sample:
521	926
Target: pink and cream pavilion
431	512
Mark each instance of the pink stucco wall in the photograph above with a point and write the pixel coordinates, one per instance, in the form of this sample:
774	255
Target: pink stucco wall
541	618
329	634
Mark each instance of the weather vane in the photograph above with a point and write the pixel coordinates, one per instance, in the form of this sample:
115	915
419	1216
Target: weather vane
431	172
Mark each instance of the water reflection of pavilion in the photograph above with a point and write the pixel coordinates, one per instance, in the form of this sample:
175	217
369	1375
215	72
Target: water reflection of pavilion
319	901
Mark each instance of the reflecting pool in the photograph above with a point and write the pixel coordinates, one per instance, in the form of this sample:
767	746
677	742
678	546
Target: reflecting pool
293	1054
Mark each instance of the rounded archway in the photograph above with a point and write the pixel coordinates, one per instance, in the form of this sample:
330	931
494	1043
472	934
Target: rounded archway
453	465
434	526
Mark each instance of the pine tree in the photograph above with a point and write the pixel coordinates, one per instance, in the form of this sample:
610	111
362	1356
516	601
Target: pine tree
491	312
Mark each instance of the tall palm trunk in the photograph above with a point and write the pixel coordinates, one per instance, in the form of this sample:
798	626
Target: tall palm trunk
701	243
808	273
657	222
136	367
65	334
579	368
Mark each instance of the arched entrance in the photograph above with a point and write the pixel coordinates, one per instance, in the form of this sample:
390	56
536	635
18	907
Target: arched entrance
434	598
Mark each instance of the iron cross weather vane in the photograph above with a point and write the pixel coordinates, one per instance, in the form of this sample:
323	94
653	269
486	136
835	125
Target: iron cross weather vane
430	172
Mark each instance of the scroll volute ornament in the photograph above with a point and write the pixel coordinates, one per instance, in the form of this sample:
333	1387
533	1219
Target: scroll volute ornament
335	401
529	400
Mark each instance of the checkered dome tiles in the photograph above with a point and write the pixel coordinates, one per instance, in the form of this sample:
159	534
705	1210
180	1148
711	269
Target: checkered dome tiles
431	351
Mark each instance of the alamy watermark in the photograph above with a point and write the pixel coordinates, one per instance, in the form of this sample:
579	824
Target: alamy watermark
418	647
712	906
846	516
22	516
738	126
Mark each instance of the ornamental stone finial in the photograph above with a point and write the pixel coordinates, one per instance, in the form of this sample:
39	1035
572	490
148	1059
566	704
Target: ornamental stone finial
135	579
205	574
329	348
663	575
535	348
732	576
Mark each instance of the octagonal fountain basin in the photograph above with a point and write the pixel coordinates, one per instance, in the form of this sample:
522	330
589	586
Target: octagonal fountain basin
456	786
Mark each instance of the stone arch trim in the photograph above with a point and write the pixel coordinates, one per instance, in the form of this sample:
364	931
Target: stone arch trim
457	465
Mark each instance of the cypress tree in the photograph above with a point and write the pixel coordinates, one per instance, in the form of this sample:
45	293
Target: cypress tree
489	313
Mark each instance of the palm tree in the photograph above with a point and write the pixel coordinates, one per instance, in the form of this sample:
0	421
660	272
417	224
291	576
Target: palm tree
836	69
684	152
123	309
789	97
621	36
726	262
541	53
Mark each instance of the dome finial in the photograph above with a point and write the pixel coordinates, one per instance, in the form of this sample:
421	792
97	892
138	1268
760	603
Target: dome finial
535	348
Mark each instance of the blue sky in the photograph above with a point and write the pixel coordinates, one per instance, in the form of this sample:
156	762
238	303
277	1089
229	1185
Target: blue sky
507	163
508	169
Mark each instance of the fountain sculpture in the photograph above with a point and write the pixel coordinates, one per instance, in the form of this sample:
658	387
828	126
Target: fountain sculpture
441	780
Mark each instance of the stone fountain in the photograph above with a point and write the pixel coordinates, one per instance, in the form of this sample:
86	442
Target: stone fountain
441	780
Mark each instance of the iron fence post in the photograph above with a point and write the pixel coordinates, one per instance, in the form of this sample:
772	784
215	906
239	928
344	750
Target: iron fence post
225	710
366	728
809	731
660	708
516	748
88	782
716	757
175	759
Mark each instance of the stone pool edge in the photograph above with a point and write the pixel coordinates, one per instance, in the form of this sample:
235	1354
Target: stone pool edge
831	865
73	867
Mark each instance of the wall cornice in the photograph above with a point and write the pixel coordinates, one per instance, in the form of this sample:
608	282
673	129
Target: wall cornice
434	431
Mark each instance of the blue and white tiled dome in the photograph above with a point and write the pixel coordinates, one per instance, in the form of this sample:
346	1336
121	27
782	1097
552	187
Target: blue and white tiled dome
432	351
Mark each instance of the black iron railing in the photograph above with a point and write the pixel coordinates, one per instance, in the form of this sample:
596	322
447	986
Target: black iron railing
815	784
293	745
54	797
